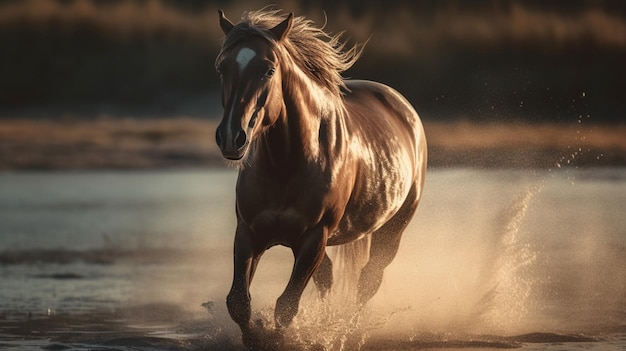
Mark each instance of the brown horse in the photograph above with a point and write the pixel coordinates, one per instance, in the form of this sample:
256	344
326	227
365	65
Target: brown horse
323	161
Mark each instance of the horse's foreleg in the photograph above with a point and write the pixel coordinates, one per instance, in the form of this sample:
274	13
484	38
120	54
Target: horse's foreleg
238	299
308	256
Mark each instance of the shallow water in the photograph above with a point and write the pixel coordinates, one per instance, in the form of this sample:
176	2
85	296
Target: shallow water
493	259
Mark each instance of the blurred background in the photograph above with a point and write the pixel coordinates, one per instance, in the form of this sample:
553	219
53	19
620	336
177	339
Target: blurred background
131	83
115	198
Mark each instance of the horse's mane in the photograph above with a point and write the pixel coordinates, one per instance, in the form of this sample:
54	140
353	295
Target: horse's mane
323	57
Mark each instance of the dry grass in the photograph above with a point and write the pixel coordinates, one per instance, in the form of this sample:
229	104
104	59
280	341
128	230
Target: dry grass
398	28
468	135
186	142
119	19
145	52
106	143
526	145
400	32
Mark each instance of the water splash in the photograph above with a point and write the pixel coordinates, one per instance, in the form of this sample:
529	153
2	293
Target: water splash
335	322
454	304
505	278
496	300
330	324
579	151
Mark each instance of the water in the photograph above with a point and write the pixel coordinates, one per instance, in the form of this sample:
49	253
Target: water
142	260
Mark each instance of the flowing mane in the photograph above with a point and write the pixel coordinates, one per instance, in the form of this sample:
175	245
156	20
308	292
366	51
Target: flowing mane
323	57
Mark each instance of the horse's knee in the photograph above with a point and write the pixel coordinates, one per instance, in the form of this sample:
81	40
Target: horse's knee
238	304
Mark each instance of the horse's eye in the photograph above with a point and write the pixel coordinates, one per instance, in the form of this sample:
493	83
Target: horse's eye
270	72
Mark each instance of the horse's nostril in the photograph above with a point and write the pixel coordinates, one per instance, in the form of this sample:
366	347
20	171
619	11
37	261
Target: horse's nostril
252	121
218	138
240	139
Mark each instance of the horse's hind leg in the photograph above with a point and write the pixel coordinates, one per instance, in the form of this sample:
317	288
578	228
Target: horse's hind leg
323	276
383	249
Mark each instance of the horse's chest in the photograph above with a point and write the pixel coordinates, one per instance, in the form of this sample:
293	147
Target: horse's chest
278	226
277	214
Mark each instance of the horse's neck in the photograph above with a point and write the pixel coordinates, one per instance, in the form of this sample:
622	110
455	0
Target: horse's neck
296	137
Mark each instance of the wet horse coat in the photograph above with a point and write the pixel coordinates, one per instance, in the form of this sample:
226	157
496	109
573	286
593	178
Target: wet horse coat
323	161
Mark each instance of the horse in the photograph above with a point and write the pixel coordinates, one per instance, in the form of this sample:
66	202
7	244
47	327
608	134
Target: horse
322	160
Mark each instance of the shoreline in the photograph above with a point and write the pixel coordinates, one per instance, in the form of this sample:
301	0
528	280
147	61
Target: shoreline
186	142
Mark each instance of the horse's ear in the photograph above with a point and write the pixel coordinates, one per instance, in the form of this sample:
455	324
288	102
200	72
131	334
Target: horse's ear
225	23
281	29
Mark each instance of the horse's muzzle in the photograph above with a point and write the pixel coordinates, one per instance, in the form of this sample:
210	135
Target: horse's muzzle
232	148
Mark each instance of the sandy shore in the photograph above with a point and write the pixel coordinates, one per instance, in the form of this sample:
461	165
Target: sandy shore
131	143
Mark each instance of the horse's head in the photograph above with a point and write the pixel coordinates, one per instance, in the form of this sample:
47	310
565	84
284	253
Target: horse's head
251	85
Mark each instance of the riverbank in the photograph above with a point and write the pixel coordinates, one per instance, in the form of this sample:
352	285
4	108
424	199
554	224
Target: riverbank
181	142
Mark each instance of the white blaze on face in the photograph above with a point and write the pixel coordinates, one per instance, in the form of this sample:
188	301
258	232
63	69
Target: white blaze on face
243	58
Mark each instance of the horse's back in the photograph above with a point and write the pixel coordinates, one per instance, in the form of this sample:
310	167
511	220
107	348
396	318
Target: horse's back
364	94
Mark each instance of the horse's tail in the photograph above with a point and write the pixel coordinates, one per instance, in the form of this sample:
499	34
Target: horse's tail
348	261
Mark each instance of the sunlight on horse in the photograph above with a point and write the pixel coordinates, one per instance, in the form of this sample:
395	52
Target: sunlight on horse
322	162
